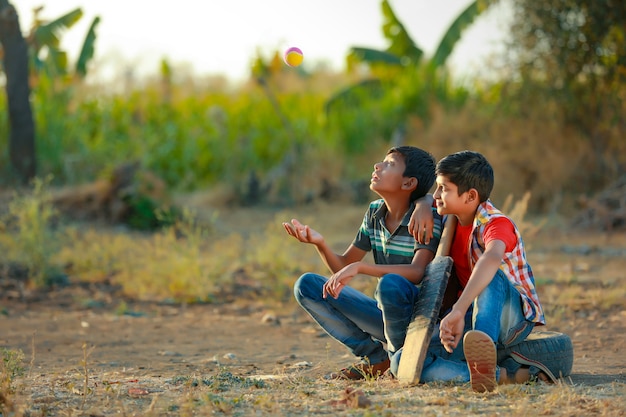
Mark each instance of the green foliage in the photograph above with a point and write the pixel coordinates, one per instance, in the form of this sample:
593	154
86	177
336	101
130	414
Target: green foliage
363	113
145	213
207	137
455	31
46	35
373	56
404	83
267	132
44	41
193	140
29	240
567	39
568	64
87	50
394	31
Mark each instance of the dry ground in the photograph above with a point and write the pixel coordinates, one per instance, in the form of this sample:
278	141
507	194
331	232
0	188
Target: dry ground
153	359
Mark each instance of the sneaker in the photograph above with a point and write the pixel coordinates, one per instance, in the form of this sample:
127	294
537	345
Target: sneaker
481	357
361	370
536	368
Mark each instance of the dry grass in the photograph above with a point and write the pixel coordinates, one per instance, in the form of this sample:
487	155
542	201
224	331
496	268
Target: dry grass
538	154
299	395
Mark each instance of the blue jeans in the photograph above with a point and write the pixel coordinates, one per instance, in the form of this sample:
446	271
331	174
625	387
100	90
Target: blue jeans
363	324
498	312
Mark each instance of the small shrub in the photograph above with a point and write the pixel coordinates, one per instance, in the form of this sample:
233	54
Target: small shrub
29	240
10	368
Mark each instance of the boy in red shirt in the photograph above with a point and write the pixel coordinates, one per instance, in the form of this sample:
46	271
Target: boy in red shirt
498	303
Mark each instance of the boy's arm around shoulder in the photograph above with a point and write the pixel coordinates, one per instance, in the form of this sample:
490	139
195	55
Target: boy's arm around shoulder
422	223
423	255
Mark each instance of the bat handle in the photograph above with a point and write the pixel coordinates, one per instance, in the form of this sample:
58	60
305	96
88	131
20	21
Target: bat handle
447	235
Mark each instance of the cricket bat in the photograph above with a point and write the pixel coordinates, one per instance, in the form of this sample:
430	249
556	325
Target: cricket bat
426	310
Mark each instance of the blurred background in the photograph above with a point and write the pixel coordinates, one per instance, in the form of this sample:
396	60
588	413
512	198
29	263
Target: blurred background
195	97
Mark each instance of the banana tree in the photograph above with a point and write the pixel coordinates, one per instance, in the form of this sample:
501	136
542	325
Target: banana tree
46	35
401	76
15	54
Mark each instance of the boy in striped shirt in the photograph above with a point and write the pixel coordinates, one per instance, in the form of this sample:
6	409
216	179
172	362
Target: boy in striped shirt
373	329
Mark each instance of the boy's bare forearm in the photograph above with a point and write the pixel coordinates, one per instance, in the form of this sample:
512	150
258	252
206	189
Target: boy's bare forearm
411	272
482	274
333	261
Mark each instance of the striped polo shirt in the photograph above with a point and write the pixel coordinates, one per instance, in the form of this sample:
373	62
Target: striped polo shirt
392	248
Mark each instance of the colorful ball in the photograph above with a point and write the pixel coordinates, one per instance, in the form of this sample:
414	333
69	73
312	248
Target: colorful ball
293	56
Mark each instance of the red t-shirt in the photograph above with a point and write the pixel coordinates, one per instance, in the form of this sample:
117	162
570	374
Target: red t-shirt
499	228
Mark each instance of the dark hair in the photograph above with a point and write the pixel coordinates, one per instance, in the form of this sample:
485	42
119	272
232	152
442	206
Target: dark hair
467	170
419	164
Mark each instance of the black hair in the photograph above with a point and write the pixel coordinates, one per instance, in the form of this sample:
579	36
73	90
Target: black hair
467	170
418	164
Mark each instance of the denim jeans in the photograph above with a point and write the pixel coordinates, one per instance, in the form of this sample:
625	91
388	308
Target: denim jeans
363	324
498	312
396	297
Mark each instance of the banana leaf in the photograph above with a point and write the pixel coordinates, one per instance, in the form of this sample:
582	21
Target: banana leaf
56	62
87	51
353	95
454	32
394	31
370	56
48	34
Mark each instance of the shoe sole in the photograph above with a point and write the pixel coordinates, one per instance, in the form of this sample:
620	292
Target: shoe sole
480	353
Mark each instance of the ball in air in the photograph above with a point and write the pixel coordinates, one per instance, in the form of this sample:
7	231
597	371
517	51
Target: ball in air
293	56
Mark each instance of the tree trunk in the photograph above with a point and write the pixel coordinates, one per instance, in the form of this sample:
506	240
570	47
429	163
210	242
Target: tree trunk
21	124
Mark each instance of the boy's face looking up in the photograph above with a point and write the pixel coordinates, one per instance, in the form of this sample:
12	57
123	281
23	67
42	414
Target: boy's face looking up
388	175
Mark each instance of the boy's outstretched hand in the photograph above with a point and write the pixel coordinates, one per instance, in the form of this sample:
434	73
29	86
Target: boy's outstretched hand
302	232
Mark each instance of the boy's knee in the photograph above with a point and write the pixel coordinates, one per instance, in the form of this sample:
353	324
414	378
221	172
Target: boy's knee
390	286
307	285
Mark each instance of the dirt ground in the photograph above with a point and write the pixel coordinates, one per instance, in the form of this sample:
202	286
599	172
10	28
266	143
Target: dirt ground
146	356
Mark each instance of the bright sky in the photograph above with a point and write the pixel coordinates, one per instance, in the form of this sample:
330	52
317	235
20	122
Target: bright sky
222	37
